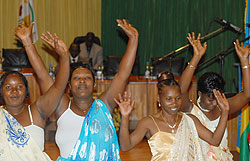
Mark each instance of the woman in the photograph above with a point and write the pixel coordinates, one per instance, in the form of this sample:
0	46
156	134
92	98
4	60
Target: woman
78	124
172	135
207	109
22	126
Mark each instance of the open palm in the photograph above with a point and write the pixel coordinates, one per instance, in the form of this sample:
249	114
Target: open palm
241	51
57	44
127	28
23	32
199	50
126	104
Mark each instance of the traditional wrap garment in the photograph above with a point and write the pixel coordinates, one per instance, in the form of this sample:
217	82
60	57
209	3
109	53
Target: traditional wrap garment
184	145
98	139
211	153
15	143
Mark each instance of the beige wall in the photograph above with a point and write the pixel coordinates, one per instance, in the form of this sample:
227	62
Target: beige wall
67	18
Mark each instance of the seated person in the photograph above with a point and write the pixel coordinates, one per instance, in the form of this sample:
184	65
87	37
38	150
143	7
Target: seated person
74	50
89	49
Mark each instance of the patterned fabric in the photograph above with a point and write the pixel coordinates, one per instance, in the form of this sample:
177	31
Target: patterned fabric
98	140
184	145
212	153
15	142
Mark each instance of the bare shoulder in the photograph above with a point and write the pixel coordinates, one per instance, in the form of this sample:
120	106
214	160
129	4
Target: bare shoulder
146	122
62	106
193	117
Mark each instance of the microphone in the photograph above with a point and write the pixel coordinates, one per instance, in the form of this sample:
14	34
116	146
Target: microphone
229	25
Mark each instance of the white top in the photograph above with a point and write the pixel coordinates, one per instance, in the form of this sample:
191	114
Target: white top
221	152
36	132
69	126
74	60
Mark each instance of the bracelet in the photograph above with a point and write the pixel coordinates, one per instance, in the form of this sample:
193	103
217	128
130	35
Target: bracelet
191	66
245	67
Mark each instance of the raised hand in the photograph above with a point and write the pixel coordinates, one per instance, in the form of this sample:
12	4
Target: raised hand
57	44
242	52
126	104
23	32
222	101
130	31
199	50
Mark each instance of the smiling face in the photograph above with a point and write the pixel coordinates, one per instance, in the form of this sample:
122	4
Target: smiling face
170	99
82	83
13	90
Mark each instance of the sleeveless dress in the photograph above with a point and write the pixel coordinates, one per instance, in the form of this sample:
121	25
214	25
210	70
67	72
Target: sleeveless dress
98	139
222	152
184	145
36	132
16	144
68	130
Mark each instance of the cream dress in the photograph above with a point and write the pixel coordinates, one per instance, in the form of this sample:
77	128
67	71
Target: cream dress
184	145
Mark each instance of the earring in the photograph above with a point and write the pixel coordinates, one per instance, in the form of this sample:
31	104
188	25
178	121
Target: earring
159	104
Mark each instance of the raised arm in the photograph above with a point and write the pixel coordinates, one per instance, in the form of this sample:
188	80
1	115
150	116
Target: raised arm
25	35
120	80
128	141
216	137
188	73
241	99
48	102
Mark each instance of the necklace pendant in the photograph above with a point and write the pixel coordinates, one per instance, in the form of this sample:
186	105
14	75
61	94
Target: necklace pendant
172	131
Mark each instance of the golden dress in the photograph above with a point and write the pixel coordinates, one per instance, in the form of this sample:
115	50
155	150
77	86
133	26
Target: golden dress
184	145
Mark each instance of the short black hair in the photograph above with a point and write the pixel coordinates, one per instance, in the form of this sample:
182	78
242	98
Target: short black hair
167	82
3	78
209	81
77	45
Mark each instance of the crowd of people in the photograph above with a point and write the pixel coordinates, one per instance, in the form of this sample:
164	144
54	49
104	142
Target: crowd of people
181	130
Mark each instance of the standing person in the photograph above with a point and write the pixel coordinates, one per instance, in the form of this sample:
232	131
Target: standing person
89	49
172	135
85	130
207	109
22	126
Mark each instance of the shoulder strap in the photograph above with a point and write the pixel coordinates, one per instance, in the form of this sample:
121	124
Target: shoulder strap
154	122
31	118
69	103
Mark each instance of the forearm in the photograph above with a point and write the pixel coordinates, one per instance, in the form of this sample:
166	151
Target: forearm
245	76
44	79
220	130
128	59
49	101
124	137
63	72
120	80
188	73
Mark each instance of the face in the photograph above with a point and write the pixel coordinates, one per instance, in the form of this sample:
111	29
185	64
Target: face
13	90
74	50
207	102
170	99
82	83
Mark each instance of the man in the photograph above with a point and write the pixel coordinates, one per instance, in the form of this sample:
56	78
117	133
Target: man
89	49
74	50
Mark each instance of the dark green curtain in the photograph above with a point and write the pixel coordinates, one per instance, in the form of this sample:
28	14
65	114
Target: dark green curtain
163	26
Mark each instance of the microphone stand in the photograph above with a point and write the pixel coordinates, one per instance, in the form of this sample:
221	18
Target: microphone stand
206	37
221	55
